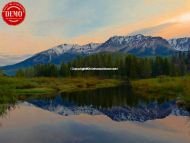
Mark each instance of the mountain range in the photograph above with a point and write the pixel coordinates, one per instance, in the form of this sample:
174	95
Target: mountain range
138	45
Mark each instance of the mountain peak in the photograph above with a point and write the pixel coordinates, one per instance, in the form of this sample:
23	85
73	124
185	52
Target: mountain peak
124	39
139	45
60	49
138	36
71	48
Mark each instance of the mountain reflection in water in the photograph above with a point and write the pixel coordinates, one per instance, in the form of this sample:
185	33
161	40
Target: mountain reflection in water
119	103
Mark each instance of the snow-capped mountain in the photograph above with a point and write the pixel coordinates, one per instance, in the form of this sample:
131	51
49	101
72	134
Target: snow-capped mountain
180	44
55	55
138	45
64	53
69	48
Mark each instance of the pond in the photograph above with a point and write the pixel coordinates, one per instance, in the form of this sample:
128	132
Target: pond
95	116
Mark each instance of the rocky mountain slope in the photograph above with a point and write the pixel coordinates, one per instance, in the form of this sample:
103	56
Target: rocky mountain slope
180	44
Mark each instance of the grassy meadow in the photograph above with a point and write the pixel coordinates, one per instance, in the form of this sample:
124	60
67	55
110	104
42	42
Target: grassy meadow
174	87
25	87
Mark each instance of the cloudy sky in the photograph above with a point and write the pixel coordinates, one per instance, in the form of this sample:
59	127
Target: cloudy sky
49	23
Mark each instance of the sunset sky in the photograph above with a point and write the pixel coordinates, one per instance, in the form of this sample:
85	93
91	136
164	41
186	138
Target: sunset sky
49	23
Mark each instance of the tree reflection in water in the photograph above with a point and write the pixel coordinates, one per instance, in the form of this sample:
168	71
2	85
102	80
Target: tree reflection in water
110	97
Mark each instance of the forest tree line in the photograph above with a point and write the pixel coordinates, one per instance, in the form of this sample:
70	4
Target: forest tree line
129	66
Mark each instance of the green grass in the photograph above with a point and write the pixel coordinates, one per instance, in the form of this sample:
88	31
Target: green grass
174	87
21	87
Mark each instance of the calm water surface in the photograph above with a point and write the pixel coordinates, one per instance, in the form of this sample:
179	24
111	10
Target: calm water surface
112	115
